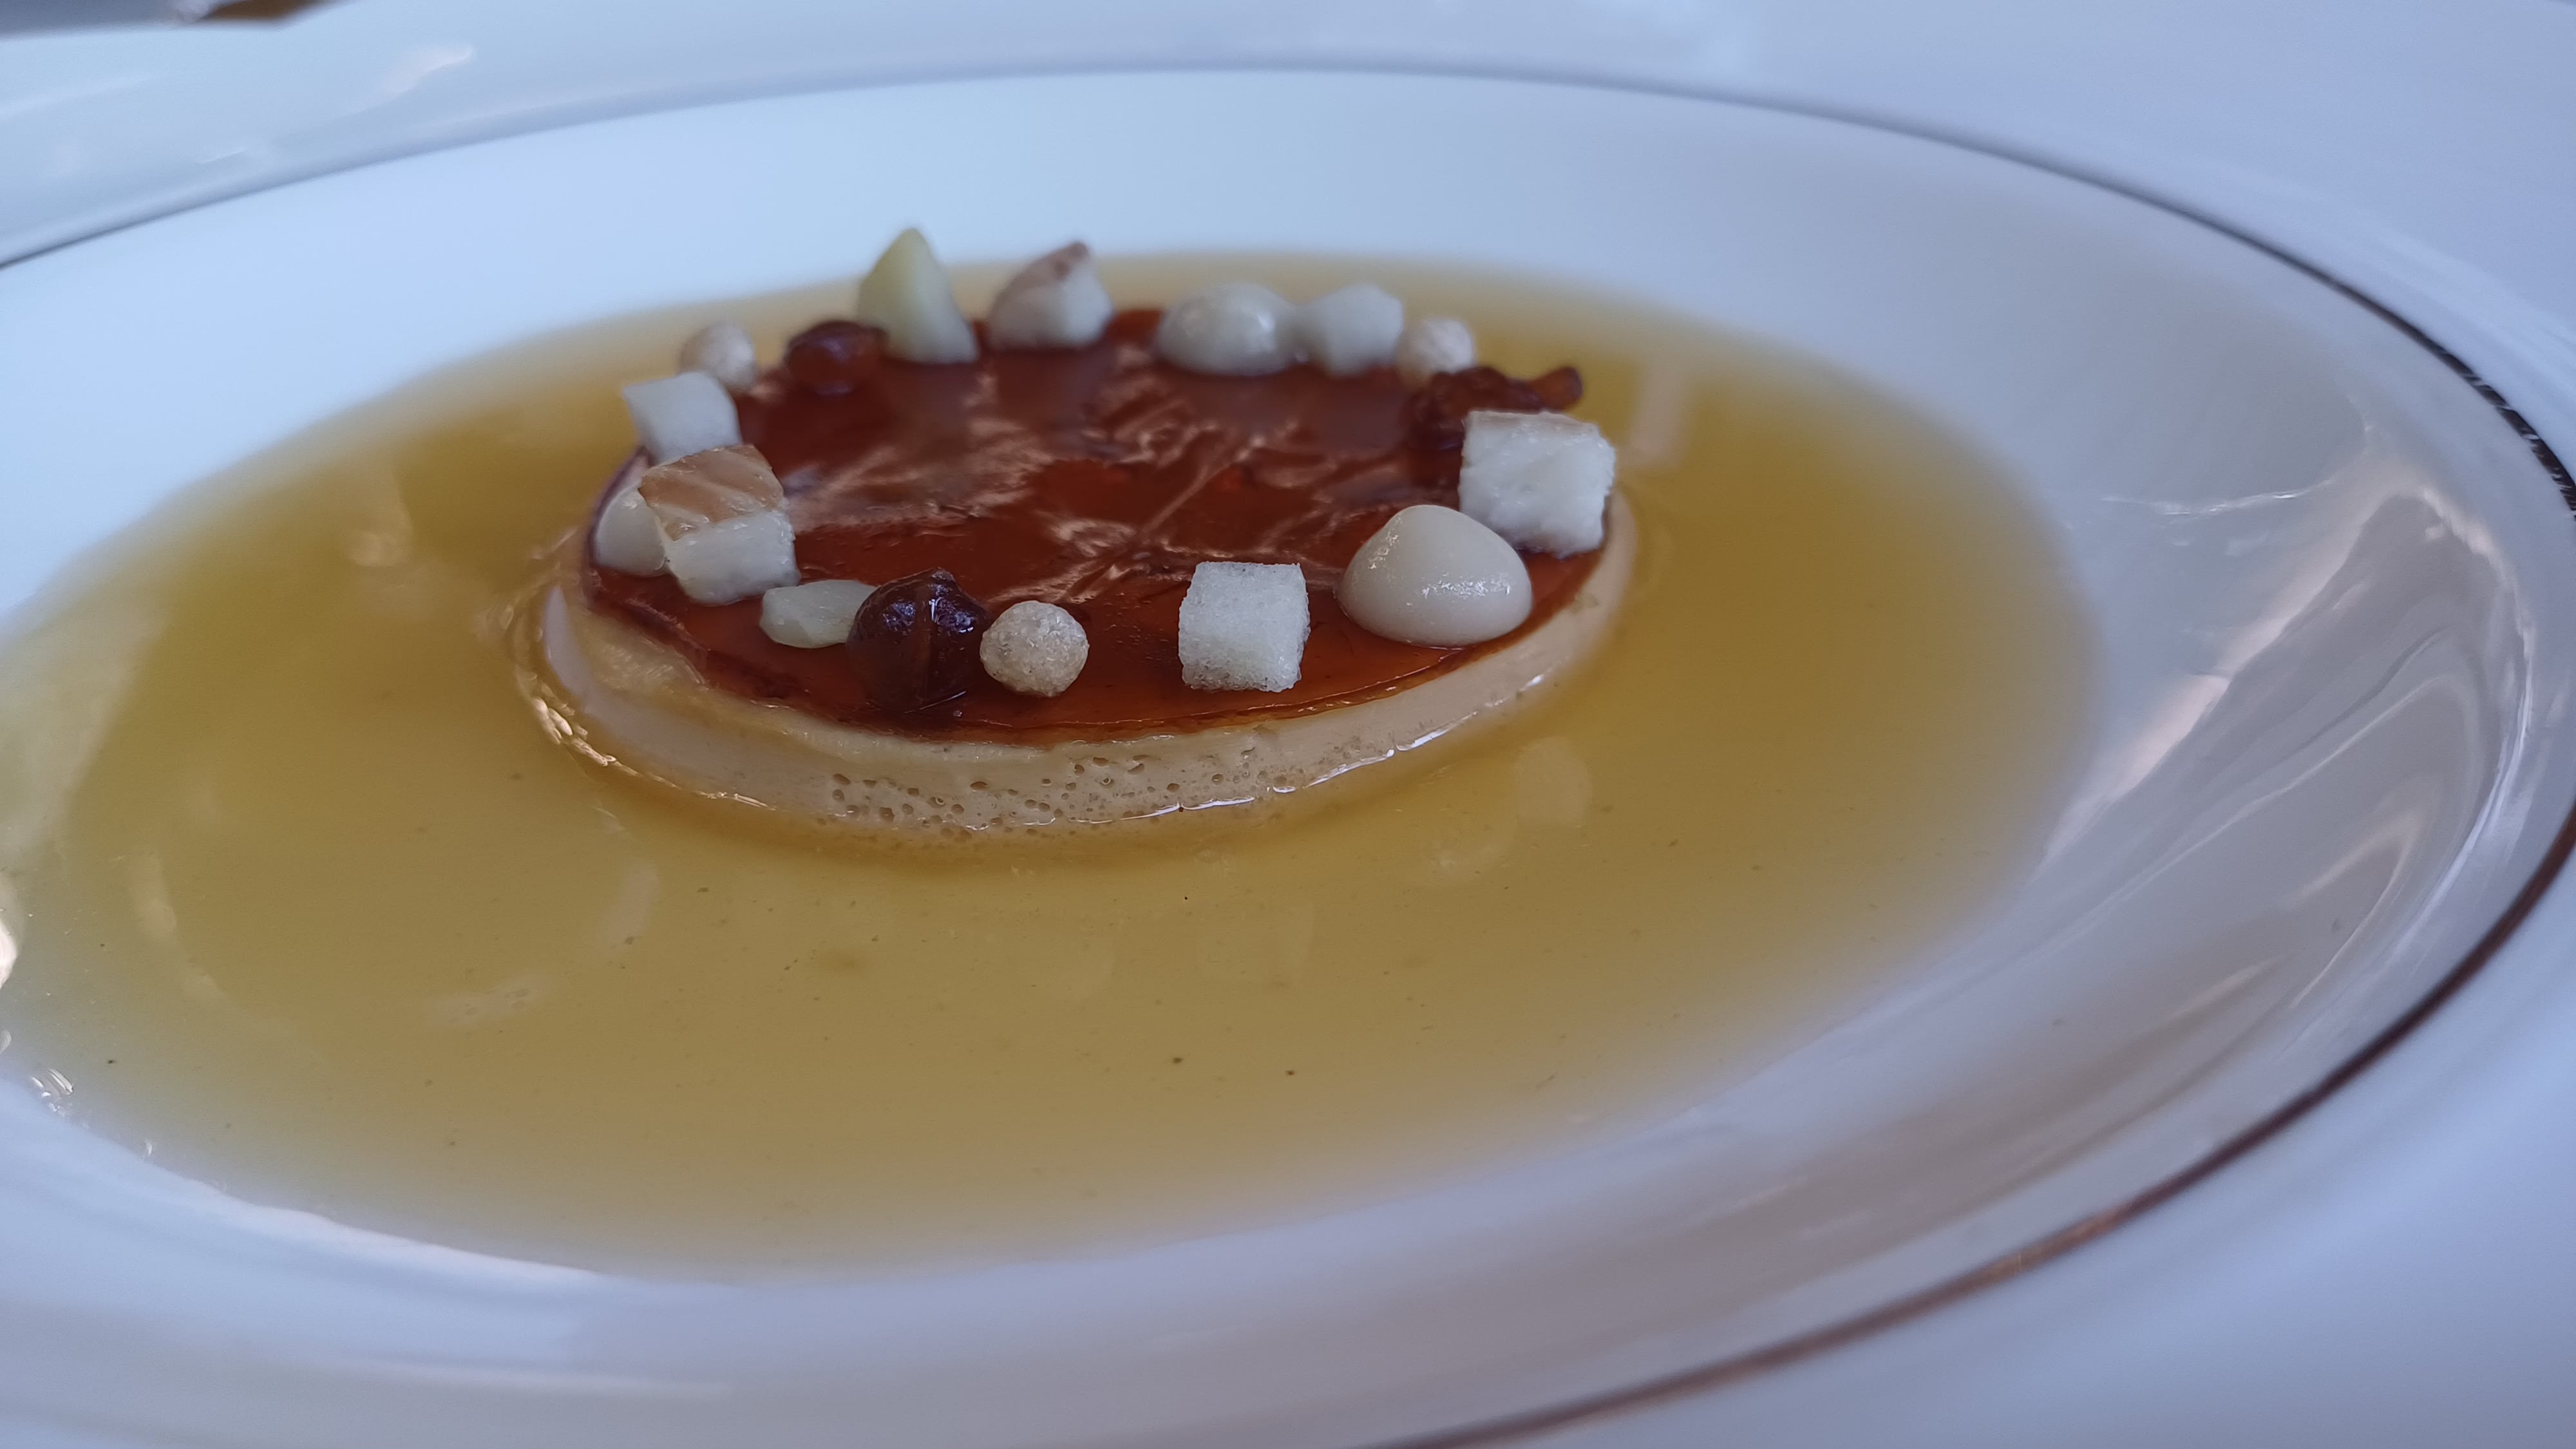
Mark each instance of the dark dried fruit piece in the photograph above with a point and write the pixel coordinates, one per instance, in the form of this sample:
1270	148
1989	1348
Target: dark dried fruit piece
830	358
913	644
1558	389
1438	412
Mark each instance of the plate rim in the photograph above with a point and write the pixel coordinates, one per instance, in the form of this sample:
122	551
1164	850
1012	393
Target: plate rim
1665	1389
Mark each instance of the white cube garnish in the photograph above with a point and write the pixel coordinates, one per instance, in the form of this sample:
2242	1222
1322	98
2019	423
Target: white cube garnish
723	351
815	615
1430	346
1350	331
684	414
1243	626
1055	301
735	559
723	518
1233	329
1035	648
1541	480
626	538
907	294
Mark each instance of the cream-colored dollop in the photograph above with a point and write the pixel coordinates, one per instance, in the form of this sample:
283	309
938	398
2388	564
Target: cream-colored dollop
1231	329
1432	575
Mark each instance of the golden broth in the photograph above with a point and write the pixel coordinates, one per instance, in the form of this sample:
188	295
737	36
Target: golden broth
308	905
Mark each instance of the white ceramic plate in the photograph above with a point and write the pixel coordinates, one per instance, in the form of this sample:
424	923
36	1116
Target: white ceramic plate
2330	578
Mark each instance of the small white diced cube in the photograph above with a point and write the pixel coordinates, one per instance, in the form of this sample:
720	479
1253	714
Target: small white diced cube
1055	301
1035	648
723	351
815	615
627	538
1540	480
747	554
1350	331
1243	626
1232	329
907	294
677	416
1431	346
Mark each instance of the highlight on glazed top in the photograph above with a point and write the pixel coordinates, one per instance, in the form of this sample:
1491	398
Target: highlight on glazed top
1070	564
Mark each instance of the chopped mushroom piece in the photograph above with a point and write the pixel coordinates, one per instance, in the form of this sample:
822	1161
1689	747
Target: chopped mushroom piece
1350	331
724	524
1243	626
907	294
1035	648
684	414
1435	576
1430	346
1055	301
1232	329
1540	480
815	615
723	351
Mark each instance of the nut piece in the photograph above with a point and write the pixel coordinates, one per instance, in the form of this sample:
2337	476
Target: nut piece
723	521
1055	301
1350	331
913	642
815	615
907	294
831	358
723	351
711	486
626	538
1435	576
1431	346
1540	480
677	416
1035	648
1243	626
1232	329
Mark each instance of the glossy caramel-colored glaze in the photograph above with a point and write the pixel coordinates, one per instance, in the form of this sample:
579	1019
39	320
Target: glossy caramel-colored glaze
1095	479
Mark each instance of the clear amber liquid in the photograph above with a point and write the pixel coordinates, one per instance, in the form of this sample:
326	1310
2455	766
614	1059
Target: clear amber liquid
309	907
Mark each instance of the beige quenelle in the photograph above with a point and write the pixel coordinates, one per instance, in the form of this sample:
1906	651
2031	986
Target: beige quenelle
627	699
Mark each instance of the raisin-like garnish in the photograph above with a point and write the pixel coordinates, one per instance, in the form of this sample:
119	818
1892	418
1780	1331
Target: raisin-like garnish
913	644
830	358
1559	389
1438	412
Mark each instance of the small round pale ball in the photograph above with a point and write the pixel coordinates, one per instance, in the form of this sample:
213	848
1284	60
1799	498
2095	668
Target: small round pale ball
1429	346
1035	648
723	351
1435	576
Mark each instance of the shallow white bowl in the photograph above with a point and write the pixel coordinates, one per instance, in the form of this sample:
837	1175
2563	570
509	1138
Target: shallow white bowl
2332	584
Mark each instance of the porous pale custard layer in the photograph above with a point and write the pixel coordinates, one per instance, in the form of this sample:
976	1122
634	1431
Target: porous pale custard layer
309	906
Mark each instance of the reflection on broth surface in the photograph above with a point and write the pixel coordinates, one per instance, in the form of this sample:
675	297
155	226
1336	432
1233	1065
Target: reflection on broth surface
309	904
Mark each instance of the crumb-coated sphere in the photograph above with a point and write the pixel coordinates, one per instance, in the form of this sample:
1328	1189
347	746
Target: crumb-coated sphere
1035	648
